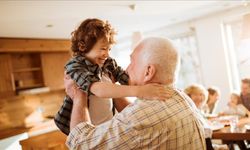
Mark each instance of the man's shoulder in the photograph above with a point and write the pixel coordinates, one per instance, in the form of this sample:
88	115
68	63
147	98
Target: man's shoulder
151	109
178	99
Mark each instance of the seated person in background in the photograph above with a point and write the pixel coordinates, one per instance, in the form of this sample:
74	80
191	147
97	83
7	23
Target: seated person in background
245	92
234	107
198	94
213	96
152	124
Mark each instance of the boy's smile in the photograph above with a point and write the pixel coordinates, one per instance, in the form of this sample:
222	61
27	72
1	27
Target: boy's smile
99	53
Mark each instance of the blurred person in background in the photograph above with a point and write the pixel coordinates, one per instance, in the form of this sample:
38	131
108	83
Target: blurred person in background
235	107
199	96
245	92
213	96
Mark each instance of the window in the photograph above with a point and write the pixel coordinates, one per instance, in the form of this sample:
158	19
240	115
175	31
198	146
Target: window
238	52
190	69
121	52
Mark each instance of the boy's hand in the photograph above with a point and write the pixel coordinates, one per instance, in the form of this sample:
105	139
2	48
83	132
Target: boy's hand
154	92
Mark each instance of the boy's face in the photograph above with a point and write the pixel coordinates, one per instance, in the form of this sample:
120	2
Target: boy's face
99	53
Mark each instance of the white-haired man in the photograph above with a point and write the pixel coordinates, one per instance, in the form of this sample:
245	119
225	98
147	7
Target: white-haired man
171	124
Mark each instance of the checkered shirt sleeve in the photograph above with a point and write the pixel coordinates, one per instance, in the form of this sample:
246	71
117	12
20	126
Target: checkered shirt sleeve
83	72
117	72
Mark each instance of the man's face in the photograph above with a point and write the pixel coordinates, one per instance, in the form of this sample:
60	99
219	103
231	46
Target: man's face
245	89
136	67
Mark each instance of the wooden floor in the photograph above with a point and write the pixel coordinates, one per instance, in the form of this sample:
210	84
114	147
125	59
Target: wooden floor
43	136
54	140
12	132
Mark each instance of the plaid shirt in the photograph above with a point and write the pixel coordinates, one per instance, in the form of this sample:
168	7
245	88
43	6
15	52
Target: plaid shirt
173	124
84	73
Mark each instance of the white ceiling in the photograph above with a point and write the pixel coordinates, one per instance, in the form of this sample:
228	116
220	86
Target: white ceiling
30	18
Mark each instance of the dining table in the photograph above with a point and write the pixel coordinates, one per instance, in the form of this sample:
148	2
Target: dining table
239	135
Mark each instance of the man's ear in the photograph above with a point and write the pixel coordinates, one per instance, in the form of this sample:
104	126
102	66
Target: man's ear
149	73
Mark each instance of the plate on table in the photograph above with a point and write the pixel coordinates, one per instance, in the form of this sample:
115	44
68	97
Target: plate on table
226	119
217	126
247	126
210	116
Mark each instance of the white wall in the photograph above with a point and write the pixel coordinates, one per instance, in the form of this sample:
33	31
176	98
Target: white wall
213	55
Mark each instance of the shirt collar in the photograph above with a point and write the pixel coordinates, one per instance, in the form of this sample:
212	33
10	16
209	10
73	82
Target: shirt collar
91	66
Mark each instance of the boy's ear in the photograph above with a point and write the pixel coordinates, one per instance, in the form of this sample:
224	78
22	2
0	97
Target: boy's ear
149	73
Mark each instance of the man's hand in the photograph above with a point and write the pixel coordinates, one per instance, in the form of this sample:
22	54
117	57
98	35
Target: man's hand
72	90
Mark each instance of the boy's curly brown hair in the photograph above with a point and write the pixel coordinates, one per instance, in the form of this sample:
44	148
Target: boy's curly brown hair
88	33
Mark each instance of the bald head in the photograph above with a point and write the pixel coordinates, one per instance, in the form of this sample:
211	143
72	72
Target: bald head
160	53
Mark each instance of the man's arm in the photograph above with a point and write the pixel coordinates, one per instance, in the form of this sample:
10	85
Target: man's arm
80	112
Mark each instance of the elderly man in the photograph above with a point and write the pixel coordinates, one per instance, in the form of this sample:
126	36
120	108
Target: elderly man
171	124
245	92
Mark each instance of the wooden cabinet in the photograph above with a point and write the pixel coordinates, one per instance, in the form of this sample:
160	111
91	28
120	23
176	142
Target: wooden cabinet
23	71
32	63
53	69
7	87
27	70
49	141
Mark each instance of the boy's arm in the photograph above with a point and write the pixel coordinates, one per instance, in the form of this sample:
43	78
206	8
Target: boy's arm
148	91
119	75
110	90
86	77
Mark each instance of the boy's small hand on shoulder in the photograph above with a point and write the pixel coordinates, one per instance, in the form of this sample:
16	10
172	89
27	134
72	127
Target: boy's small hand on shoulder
155	91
